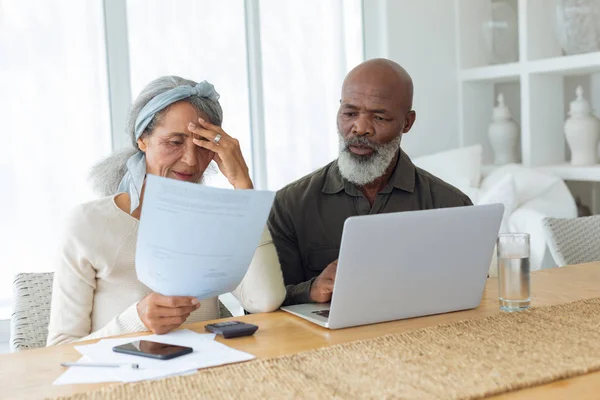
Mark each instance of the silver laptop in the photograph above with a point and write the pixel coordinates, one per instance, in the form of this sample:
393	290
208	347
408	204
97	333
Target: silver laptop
409	264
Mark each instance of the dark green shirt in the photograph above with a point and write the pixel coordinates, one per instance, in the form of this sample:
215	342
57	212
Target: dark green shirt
308	216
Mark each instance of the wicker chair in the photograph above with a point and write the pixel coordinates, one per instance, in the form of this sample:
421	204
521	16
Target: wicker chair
29	322
31	316
224	311
573	240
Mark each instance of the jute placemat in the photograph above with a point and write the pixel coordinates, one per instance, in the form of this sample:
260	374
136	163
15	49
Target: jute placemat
463	360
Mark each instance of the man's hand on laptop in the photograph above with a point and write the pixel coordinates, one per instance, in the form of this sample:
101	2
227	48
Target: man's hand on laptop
322	287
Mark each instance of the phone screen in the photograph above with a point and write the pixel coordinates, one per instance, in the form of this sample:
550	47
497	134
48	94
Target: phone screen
153	349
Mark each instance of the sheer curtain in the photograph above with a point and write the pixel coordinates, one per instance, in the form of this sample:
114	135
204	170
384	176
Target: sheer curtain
54	108
307	48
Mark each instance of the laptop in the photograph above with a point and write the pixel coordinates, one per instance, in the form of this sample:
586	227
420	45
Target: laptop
409	264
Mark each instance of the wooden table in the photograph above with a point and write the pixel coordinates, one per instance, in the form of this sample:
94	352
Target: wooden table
30	374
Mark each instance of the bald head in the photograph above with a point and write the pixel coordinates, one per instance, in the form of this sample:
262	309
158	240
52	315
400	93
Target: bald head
375	111
384	77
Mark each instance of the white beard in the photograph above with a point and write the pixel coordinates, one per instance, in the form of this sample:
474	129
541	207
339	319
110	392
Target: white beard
362	170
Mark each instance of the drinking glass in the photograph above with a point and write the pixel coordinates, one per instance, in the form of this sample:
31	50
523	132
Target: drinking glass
513	271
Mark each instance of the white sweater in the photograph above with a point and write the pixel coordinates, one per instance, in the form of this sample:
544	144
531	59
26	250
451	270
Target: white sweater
96	289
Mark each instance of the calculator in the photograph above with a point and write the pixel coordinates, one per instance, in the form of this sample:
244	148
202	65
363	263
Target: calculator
232	329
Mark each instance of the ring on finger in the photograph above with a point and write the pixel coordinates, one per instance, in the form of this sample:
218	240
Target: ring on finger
217	138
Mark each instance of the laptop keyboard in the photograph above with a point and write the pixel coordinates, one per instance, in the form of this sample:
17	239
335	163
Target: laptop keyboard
322	313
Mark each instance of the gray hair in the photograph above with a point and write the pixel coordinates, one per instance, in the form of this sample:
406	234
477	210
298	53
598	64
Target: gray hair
106	175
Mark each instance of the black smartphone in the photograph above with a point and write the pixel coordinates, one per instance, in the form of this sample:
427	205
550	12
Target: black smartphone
146	348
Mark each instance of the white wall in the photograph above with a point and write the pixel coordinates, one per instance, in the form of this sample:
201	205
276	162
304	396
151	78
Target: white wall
420	35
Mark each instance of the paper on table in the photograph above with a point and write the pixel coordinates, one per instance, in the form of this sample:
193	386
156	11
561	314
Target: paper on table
96	375
75	375
84	375
102	351
195	240
173	337
207	353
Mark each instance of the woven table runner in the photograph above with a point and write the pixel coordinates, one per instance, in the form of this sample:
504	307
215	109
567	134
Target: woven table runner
463	360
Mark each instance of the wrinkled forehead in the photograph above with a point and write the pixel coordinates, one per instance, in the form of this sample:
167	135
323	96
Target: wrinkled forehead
370	95
178	115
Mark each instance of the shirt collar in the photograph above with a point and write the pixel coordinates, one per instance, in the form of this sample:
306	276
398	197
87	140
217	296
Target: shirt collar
402	178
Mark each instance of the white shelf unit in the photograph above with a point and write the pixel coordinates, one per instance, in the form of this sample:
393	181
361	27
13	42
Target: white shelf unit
537	87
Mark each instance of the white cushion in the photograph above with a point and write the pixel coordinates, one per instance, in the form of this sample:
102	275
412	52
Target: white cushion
459	167
528	197
504	192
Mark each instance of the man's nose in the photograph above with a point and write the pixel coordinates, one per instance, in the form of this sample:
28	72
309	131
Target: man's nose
362	126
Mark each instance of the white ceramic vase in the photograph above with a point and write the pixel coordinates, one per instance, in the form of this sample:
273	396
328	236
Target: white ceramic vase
503	134
582	130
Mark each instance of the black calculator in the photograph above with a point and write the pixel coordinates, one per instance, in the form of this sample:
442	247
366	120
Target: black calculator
232	329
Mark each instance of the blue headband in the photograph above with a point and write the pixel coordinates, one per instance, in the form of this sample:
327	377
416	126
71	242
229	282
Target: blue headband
133	179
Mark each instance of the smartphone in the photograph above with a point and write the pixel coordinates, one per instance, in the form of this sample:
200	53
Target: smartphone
146	348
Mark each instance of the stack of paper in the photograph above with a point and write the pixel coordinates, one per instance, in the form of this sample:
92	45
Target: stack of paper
207	353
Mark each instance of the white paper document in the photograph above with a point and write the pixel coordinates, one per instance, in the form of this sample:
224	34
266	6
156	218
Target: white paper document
207	353
76	375
85	375
195	240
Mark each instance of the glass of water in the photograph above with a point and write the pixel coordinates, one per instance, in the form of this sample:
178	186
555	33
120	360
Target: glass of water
513	271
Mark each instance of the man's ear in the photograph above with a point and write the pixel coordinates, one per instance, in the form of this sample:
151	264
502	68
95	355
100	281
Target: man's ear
410	120
142	143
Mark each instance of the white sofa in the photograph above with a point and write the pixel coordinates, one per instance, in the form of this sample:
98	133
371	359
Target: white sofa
528	195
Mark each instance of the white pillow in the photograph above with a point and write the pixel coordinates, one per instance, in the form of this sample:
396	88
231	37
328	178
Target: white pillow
474	193
504	191
529	184
459	167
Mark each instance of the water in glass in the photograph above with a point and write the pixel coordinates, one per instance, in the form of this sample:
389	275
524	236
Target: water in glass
513	280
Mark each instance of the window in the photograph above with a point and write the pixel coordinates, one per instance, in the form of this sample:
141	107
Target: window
55	118
307	49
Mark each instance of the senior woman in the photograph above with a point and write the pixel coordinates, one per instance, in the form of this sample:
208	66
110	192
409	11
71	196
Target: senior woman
175	129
